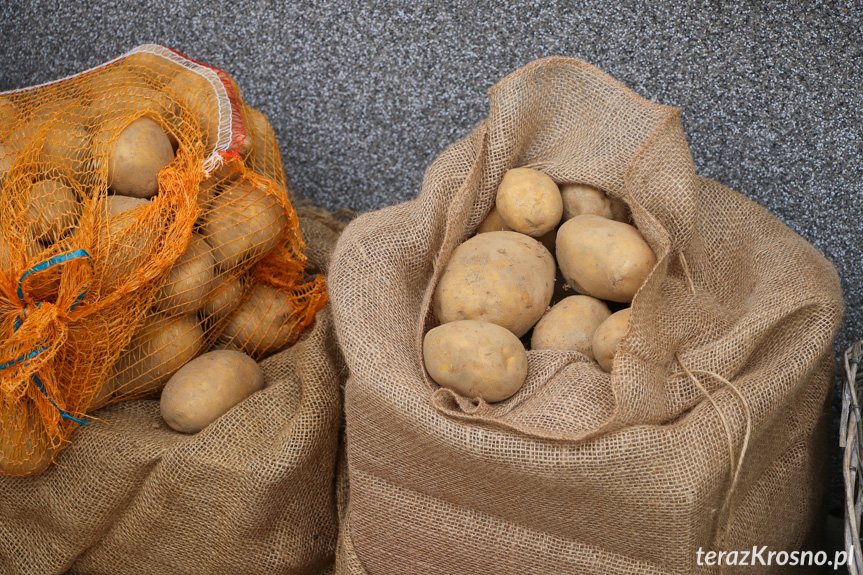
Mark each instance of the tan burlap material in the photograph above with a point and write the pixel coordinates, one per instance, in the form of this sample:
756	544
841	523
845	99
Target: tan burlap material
253	493
582	471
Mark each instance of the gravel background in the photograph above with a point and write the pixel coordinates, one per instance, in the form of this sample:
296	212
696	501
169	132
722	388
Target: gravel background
363	97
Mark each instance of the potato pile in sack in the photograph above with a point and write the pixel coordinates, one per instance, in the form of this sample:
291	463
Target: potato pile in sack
578	355
149	242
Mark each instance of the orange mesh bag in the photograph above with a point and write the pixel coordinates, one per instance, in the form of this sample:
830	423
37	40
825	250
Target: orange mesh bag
144	219
253	493
709	432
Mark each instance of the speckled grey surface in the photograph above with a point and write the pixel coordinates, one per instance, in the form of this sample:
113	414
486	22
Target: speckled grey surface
364	96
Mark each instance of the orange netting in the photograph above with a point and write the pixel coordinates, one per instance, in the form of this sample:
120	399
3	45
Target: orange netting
112	276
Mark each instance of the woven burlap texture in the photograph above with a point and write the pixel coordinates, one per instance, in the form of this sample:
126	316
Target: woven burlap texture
583	471
253	493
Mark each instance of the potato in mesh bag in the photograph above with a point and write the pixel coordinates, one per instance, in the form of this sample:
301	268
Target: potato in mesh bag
108	294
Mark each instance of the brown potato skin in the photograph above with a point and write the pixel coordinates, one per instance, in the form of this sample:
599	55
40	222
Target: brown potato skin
119	204
102	396
265	156
241	222
218	181
607	337
52	209
506	278
224	299
21	437
129	247
493	222
159	348
190	279
157	69
208	387
8	155
570	325
197	95
137	156
263	324
475	359
5	254
581	199
130	96
529	202
246	139
603	258
66	145
9	116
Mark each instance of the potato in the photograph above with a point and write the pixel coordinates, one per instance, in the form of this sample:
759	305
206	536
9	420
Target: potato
129	96
52	108
103	395
110	82
241	222
67	144
190	279
603	258
33	249
220	179
120	204
9	116
156	69
13	146
8	155
608	335
126	95
157	350
130	243
136	157
52	210
197	95
266	156
529	202
244	143
505	278
493	222
208	387
224	299
246	139
221	345
24	449
64	141
201	99
263	324
475	359
5	254
570	325
580	199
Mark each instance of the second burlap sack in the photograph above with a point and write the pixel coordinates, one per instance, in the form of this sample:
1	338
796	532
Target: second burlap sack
584	471
253	493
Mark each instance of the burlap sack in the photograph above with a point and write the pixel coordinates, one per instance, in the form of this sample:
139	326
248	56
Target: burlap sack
582	471
253	493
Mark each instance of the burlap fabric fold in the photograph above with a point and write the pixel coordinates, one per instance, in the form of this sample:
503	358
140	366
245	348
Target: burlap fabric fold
583	471
253	493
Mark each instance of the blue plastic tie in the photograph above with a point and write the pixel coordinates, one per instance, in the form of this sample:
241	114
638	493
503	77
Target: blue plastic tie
18	320
49	263
63	414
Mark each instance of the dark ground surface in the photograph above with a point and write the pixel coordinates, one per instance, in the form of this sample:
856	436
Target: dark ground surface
363	97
